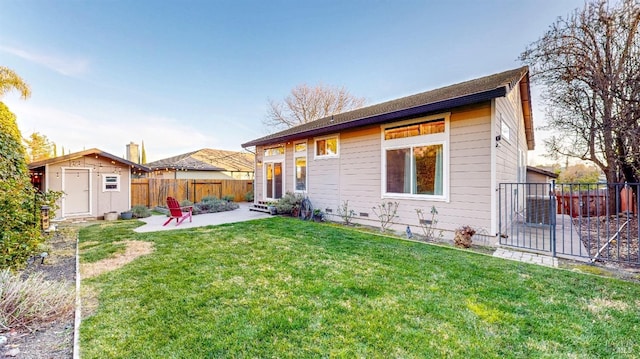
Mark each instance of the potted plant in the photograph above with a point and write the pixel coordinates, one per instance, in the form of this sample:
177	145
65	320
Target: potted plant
463	236
317	215
272	208
110	216
295	211
126	215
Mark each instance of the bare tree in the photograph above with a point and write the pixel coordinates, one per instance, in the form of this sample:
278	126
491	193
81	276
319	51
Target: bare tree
305	104
588	64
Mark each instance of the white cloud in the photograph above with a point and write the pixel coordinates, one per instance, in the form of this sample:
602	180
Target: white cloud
65	65
163	137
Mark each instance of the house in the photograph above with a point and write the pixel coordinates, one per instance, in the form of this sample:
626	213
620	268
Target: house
205	164
94	182
448	148
540	175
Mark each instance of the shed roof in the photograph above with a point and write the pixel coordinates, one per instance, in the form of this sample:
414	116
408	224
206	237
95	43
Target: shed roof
464	93
89	152
542	171
207	159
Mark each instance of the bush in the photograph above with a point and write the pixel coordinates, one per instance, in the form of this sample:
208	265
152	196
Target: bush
213	206
19	205
209	199
228	198
34	300
290	200
141	211
186	203
248	196
463	236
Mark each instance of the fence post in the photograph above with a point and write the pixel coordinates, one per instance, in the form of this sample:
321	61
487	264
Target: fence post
552	215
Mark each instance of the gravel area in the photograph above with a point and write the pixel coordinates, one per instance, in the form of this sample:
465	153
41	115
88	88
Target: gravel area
601	237
50	340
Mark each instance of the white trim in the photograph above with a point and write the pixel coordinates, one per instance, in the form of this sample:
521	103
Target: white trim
63	200
118	182
494	180
418	141
322	157
264	176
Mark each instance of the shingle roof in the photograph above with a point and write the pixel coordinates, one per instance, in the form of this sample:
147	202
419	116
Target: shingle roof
464	93
208	159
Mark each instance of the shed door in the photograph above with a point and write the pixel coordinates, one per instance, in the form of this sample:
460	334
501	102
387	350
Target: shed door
77	193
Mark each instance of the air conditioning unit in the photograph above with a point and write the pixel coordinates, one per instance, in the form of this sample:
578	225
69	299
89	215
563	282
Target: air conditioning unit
539	209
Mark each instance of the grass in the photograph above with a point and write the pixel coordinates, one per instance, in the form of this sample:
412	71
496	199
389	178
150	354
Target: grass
286	288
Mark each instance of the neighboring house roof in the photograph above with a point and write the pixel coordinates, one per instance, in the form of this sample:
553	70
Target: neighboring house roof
464	93
207	159
89	152
542	171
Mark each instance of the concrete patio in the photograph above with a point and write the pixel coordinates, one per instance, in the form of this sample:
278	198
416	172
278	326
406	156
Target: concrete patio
154	223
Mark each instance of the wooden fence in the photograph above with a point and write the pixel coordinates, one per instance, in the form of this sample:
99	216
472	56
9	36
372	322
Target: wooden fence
152	192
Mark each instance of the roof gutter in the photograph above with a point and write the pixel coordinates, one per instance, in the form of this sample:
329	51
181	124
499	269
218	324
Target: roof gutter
388	117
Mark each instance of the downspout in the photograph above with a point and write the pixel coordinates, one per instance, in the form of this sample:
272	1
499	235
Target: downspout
494	185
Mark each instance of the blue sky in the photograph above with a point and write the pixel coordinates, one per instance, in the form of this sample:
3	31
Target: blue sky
186	75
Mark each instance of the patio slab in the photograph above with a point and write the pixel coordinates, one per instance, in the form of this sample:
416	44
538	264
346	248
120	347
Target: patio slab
154	223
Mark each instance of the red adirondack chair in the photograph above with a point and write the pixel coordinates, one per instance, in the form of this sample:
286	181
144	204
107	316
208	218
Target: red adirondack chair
178	213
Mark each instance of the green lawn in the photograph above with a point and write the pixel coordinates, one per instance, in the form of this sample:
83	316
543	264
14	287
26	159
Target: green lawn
286	288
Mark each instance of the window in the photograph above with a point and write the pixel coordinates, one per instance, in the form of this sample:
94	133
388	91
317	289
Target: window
300	158
300	147
110	183
301	173
274	151
415	158
418	129
327	147
505	130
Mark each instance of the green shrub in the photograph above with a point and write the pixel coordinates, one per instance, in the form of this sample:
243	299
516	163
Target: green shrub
290	200
33	300
248	196
186	203
19	205
213	206
228	197
141	211
209	199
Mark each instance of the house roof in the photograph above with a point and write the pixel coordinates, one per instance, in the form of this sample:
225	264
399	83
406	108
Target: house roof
89	152
207	159
464	93
542	171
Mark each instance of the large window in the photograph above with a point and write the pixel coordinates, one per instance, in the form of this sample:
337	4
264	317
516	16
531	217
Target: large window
300	158
415	158
326	147
415	170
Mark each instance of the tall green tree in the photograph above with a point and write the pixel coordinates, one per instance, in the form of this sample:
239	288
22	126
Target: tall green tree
38	147
143	155
19	232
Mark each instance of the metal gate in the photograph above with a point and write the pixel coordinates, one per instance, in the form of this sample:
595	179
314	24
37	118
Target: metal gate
596	222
